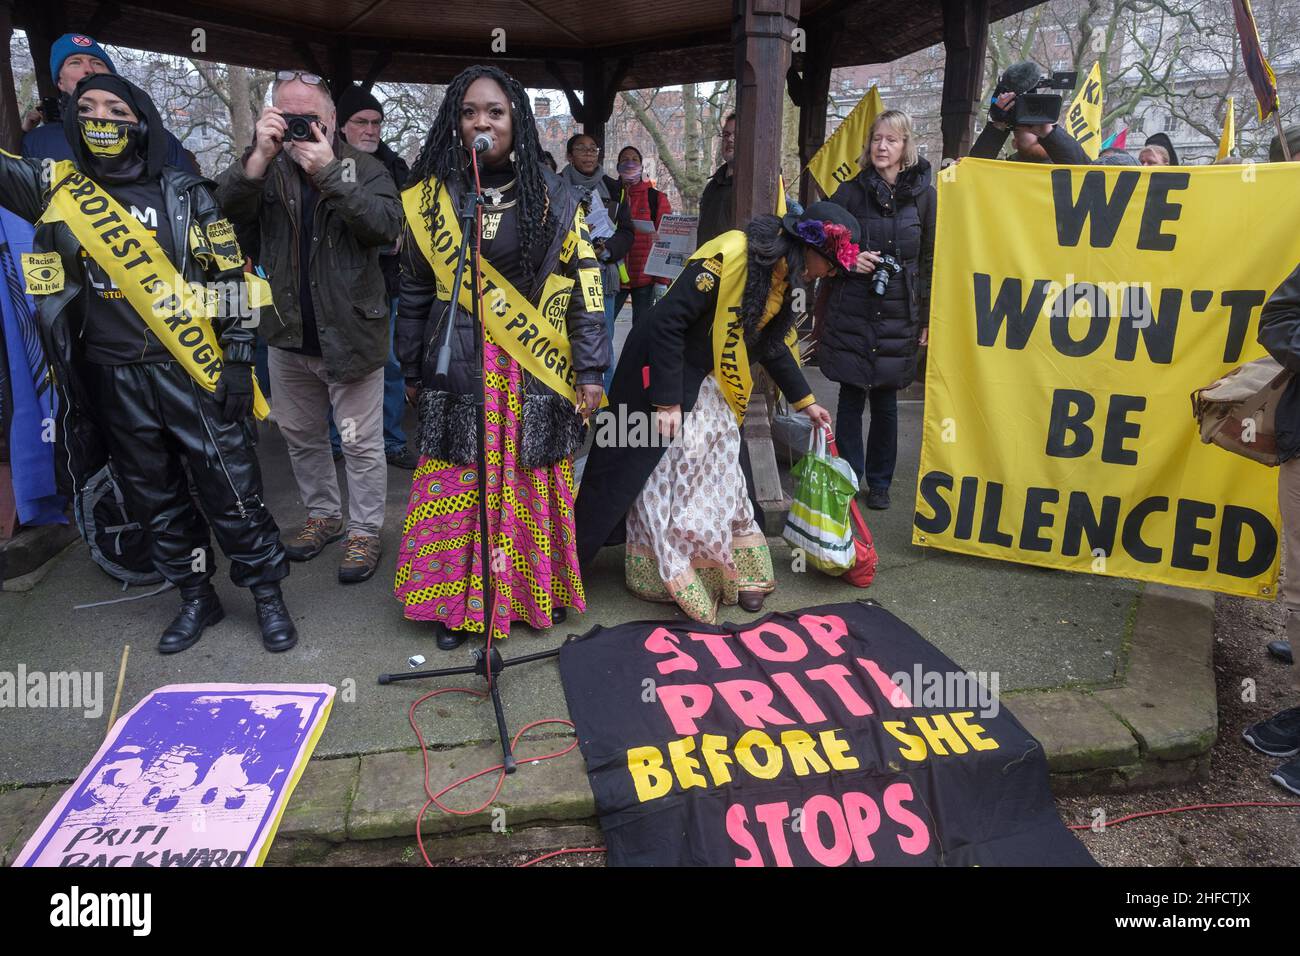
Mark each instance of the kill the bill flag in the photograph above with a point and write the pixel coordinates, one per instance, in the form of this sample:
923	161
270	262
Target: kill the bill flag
837	161
1065	341
1083	119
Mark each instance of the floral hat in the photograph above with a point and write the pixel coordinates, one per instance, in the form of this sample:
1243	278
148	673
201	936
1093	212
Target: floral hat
828	228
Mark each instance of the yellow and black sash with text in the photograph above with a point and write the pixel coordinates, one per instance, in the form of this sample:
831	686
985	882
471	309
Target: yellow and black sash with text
538	339
730	355
176	312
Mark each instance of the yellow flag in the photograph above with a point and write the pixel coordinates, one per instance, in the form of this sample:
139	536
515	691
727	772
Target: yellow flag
780	194
1083	120
1228	140
837	161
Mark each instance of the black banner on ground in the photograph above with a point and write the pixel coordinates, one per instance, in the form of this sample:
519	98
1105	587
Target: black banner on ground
831	736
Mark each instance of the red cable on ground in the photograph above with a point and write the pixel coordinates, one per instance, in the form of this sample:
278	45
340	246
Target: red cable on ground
547	856
1194	806
424	753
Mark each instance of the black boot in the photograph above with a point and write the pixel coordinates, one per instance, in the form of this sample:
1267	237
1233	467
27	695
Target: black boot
449	640
200	607
278	632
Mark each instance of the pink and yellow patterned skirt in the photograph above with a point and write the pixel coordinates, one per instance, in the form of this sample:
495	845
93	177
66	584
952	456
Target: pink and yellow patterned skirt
530	513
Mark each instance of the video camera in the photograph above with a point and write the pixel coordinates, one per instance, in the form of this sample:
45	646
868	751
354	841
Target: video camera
1036	104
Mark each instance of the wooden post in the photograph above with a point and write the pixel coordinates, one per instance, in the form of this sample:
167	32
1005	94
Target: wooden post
761	31
44	24
965	38
11	111
811	91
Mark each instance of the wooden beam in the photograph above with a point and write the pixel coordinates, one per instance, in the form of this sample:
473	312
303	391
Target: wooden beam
11	111
600	83
965	39
812	94
761	32
44	24
340	75
377	66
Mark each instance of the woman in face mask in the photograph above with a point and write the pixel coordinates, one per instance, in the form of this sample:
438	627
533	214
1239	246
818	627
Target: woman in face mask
133	269
648	207
608	216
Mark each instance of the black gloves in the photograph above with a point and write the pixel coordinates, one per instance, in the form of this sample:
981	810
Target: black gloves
235	391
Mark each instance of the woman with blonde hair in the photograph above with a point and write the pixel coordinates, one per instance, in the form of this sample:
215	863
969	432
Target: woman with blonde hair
878	314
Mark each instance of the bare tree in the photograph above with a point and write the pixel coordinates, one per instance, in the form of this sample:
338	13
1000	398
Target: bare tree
695	113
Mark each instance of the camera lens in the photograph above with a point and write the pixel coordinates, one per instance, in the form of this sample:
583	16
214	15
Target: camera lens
299	128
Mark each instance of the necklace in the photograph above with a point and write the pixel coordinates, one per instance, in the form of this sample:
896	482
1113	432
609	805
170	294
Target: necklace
496	210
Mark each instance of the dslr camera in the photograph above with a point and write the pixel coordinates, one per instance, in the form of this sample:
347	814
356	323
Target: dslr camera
885	270
1038	95
298	126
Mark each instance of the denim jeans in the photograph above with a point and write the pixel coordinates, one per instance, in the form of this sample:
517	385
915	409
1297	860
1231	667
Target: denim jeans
643	299
394	397
876	468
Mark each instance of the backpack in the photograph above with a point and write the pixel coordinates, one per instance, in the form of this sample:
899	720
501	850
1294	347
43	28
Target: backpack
117	544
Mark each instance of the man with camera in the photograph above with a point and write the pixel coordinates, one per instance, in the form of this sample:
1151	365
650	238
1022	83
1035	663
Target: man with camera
73	56
1030	117
324	211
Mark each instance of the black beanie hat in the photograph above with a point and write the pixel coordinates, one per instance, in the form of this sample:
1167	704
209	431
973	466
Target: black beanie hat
354	100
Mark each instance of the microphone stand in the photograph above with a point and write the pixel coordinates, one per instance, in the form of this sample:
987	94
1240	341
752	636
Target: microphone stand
488	663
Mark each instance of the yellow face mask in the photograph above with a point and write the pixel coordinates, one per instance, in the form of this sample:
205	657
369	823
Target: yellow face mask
108	138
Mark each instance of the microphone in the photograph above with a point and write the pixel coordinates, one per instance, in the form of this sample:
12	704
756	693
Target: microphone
482	143
1019	78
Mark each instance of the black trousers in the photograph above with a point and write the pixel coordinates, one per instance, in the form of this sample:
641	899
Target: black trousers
158	423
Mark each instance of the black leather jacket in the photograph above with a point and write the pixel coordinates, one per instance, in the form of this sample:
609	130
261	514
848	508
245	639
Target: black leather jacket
60	315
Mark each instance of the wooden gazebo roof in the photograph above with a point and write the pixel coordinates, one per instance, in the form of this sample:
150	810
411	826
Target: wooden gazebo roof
660	43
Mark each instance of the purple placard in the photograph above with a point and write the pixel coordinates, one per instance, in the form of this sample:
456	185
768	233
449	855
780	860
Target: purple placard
193	775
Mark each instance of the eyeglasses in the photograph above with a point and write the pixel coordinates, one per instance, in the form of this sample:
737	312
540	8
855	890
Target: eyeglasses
365	123
311	79
586	150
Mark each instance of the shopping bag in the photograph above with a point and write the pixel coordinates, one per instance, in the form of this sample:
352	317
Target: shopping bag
819	520
863	571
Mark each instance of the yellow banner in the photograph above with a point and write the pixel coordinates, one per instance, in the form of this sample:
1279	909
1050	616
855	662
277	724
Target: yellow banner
1063	348
1228	140
537	340
178	313
1083	119
837	161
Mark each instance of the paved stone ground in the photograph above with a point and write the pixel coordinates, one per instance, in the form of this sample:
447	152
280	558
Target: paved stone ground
1055	629
1059	642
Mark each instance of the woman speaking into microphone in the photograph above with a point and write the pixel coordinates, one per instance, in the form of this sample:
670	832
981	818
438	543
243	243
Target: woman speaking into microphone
155	374
545	351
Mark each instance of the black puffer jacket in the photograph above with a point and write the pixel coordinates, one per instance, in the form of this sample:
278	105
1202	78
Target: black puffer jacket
551	429
871	340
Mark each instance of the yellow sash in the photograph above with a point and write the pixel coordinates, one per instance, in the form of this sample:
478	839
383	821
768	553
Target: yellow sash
537	339
730	355
178	315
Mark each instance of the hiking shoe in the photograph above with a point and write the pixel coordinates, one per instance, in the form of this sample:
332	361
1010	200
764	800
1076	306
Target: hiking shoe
1279	736
878	499
1288	776
402	458
313	537
1281	650
360	558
